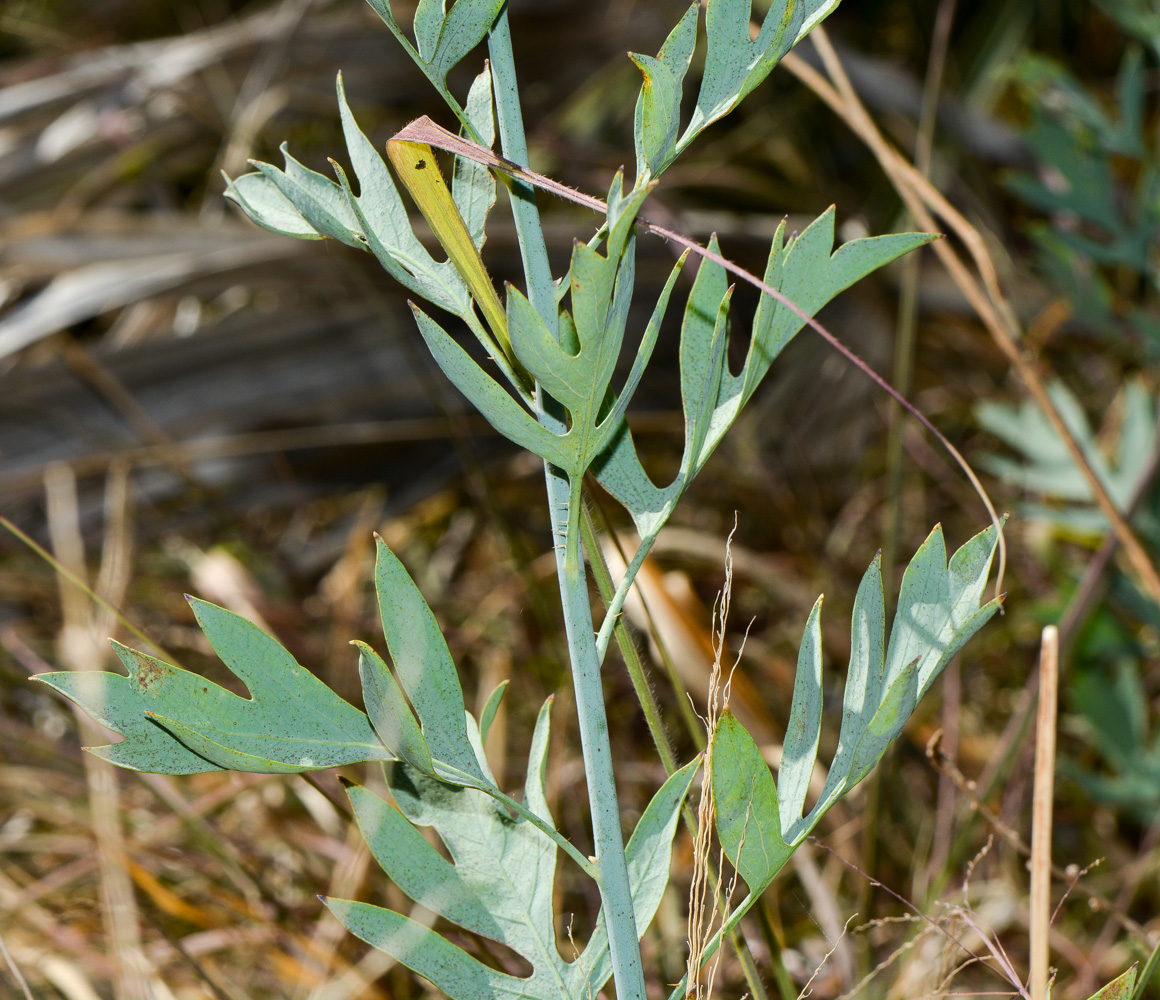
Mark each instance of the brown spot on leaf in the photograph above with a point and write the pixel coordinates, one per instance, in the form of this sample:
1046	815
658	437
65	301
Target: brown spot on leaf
149	673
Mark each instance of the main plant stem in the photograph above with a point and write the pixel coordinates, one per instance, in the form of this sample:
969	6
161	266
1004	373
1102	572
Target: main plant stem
615	890
564	504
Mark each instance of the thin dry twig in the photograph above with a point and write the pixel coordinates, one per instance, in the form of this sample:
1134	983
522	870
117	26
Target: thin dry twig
806	991
947	766
996	952
890	959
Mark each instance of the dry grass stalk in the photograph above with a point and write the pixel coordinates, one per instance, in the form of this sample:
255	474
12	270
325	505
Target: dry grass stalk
703	911
82	647
14	970
984	293
1042	796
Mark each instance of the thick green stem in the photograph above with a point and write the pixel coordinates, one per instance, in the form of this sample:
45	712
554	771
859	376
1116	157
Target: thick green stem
564	506
615	890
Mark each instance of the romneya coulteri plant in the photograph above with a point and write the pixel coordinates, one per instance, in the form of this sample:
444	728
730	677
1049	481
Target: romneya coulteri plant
547	384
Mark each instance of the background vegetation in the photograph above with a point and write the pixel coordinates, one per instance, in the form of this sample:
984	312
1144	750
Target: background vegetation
188	403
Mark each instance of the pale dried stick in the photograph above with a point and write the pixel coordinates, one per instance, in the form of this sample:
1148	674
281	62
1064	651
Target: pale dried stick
1041	799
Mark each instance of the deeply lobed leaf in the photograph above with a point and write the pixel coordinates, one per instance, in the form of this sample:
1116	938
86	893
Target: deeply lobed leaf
735	63
176	722
810	273
938	612
498	883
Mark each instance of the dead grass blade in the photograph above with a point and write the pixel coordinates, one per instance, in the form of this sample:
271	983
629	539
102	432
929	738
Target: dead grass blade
81	647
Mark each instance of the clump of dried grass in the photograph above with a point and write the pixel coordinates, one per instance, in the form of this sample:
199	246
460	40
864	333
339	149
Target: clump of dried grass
707	907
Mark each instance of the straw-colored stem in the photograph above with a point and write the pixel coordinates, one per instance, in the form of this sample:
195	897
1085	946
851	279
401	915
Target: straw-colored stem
1042	795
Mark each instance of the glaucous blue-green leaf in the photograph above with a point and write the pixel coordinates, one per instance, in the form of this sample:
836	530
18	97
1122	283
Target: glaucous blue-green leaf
1114	712
658	109
429	15
120	703
466	25
800	748
305	204
498	882
472	184
867	653
383	220
448	967
1120	461
735	63
490	707
423	665
938	611
576	369
177	722
488	396
264	203
748	826
320	200
389	712
809	273
702	353
644	351
1123	987
442	37
700	410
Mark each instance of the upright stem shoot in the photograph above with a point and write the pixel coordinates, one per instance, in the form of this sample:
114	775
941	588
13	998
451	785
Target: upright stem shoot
565	505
